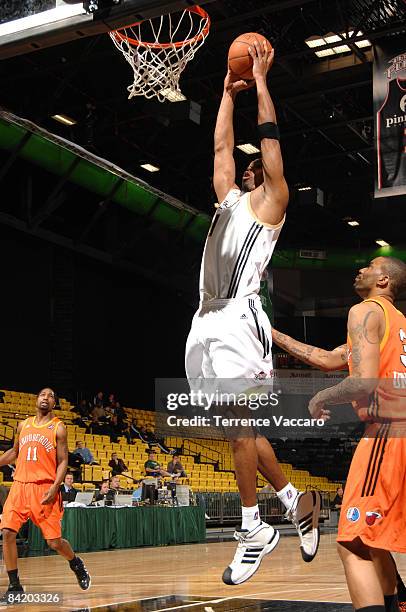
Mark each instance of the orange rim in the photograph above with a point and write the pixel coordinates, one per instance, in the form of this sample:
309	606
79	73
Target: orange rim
119	36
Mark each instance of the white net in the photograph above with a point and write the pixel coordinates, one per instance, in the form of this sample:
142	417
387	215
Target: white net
159	49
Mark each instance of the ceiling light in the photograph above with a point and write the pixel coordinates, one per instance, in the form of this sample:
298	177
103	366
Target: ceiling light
173	95
248	148
52	16
64	119
324	52
150	167
304	188
382	243
315	41
353	223
330	38
363	43
341	49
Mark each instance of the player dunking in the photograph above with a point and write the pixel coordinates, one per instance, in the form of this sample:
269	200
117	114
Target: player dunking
230	336
373	520
41	454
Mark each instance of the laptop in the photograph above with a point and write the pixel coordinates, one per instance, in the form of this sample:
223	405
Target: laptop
84	497
121	499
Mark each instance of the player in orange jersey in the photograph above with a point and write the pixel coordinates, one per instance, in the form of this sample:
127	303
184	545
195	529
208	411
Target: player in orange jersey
41	454
373	520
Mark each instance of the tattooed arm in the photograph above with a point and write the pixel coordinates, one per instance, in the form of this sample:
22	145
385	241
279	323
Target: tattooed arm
314	356
366	328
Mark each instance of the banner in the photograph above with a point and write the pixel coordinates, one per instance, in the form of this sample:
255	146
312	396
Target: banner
389	86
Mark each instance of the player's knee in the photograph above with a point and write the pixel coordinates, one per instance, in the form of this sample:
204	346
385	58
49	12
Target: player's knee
55	544
9	535
242	443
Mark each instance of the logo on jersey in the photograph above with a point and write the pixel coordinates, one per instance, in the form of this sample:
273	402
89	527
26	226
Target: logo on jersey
230	200
260	376
402	104
243	316
52	426
371	517
353	514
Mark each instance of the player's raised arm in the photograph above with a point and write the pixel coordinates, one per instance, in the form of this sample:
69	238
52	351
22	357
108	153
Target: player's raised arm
10	456
224	165
335	359
270	208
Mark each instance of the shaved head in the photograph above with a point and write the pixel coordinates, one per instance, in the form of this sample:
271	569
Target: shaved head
396	270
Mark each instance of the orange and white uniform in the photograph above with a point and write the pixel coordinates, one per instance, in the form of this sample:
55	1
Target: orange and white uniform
374	502
35	472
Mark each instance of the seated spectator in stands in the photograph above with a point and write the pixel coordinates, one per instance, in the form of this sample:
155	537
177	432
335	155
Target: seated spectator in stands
152	440
67	489
117	465
98	400
75	463
2	397
120	412
82	409
338	500
99	412
153	467
94	427
176	468
134	430
85	453
118	429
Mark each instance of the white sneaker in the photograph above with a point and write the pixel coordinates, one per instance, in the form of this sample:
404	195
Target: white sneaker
304	514
252	547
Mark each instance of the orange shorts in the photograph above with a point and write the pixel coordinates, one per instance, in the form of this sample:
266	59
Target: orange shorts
374	501
24	502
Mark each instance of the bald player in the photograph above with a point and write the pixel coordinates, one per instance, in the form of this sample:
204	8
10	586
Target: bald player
373	519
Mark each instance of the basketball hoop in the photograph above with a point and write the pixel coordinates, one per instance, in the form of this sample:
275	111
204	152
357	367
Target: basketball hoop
158	64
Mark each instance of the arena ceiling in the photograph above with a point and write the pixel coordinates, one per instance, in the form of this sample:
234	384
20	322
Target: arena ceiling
324	109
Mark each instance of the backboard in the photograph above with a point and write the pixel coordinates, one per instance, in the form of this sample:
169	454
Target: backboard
30	25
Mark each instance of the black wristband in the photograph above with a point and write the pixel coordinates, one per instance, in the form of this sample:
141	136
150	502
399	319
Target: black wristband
268	130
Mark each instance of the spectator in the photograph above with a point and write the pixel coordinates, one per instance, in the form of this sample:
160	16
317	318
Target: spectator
82	409
111	402
176	468
67	489
152	439
120	412
153	467
98	400
118	429
117	465
75	463
94	427
134	430
85	453
338	500
99	412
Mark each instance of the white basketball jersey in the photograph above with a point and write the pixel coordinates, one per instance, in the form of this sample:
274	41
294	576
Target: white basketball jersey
237	250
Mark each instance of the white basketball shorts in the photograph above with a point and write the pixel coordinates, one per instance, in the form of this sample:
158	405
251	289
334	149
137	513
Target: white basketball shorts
229	339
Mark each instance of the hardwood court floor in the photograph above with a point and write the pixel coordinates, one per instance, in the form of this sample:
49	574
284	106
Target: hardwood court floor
191	571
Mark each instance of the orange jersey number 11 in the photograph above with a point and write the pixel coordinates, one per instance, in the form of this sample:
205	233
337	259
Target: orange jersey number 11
34	453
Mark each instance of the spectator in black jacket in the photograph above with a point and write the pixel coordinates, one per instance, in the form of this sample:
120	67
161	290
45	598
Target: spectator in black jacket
117	465
67	489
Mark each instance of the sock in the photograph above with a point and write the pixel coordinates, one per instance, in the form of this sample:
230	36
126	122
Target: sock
73	562
250	518
371	609
287	495
13	577
400	588
391	603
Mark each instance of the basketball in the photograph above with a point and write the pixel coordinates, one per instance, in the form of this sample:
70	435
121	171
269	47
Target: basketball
239	60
